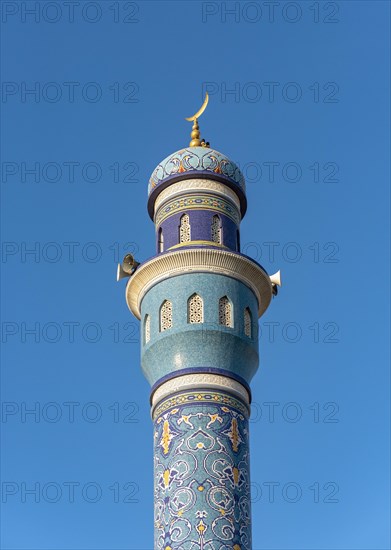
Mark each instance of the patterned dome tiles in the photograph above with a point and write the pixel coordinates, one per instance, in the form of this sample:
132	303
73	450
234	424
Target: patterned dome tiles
196	159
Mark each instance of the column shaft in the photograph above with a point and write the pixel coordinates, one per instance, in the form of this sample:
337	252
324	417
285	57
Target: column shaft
202	479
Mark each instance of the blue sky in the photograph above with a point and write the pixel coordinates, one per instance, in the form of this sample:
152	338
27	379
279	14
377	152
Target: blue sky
113	82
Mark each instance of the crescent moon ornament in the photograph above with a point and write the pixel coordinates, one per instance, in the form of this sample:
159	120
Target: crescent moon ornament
199	113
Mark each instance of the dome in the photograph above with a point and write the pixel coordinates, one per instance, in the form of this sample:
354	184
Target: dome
195	162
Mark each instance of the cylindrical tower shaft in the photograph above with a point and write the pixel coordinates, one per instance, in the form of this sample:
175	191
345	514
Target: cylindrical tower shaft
198	301
202	482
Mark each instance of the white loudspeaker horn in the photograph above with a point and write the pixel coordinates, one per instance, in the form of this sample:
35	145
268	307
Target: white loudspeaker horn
121	274
275	279
127	268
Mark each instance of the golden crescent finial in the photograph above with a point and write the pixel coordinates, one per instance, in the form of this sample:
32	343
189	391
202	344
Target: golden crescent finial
203	107
195	132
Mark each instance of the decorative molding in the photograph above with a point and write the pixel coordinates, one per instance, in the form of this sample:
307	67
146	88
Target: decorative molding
170	180
198	260
197	243
204	381
200	396
202	370
197	184
197	202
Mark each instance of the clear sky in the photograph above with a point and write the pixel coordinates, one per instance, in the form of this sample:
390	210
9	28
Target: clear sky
299	97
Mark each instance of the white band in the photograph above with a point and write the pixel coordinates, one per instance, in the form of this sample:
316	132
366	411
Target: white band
200	381
196	185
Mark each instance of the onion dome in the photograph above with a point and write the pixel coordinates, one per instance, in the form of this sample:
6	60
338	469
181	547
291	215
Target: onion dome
196	162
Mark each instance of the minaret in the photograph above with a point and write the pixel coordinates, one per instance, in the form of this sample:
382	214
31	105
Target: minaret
199	300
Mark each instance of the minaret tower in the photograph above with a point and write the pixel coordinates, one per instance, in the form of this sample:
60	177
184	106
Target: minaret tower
199	300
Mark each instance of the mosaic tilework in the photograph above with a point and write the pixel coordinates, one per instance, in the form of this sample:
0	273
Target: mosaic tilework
195	159
202	481
198	201
197	298
199	344
200	220
220	398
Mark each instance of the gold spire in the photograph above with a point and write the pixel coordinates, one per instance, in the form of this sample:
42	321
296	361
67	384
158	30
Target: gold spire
195	135
195	132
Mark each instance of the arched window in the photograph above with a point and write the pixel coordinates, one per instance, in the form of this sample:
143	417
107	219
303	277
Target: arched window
147	329
225	312
195	309
247	322
216	229
238	240
160	240
184	229
165	315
